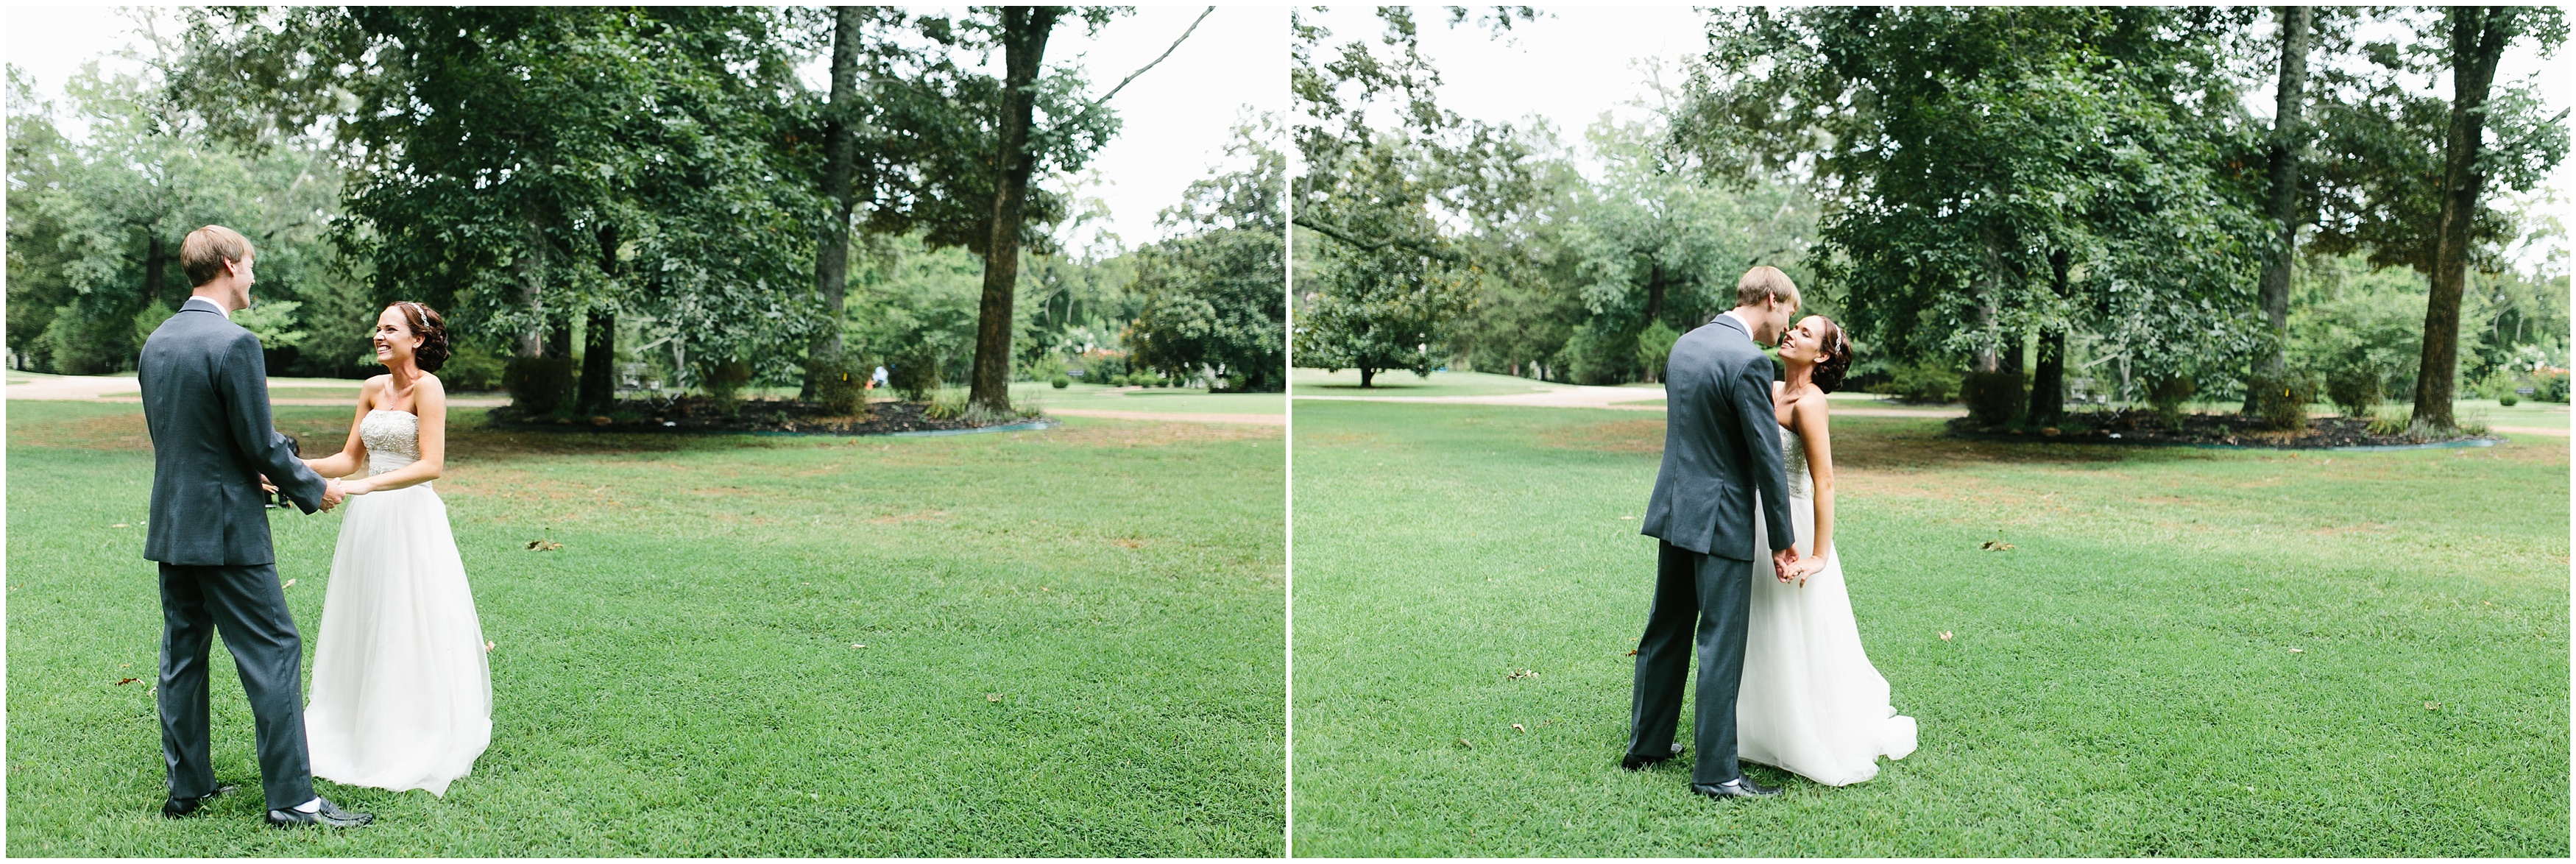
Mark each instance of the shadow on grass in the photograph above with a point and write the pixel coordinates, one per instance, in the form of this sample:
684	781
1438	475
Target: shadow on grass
1881	444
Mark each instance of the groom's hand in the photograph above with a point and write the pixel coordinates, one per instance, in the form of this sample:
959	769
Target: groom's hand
1783	562
332	493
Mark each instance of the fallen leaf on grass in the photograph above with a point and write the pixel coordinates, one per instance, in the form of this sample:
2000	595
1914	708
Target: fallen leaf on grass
1945	635
1519	674
488	646
290	583
1996	546
1471	745
2428	706
2298	650
992	697
857	645
132	680
1129	542
1632	652
118	525
1517	728
543	545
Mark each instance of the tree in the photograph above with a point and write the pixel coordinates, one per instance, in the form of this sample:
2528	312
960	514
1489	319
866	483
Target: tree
2283	152
1215	299
532	165
2403	173
1997	171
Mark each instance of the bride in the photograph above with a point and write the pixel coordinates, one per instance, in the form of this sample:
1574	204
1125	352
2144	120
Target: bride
1811	703
401	696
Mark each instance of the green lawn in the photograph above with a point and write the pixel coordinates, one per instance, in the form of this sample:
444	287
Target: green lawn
2121	682
1156	399
1073	646
1317	382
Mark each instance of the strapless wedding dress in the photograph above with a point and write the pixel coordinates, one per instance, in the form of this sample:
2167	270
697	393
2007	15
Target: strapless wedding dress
402	698
1811	703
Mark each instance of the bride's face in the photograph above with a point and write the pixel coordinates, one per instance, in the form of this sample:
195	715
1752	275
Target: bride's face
394	339
1804	342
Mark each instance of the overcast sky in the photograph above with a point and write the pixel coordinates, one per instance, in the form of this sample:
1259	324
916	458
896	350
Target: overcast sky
1178	117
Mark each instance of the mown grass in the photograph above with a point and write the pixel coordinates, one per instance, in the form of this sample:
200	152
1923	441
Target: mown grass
2186	651
1073	646
1398	382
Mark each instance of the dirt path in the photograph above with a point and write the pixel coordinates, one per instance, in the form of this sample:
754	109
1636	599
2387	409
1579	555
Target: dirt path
1172	416
120	388
1609	398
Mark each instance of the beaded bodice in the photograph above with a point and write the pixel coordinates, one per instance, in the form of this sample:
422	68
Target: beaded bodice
1793	454
392	439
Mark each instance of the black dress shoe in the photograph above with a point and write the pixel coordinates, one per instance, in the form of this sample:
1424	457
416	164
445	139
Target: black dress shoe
1635	762
329	816
177	807
1740	787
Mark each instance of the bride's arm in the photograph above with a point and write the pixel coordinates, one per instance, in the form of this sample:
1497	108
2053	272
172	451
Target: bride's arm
353	453
1811	420
429	403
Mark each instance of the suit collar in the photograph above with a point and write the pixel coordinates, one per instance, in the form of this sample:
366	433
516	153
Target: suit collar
1728	319
201	304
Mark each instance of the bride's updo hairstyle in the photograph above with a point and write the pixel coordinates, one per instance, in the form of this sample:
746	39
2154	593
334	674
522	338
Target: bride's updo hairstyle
432	330
1833	356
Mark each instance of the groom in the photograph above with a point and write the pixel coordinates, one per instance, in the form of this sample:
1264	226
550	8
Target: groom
1721	448
205	400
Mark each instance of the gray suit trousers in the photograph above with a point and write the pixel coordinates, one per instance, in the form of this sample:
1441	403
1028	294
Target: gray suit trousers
245	603
1702	606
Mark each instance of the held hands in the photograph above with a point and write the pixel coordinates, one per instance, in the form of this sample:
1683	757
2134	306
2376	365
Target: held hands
1784	564
333	491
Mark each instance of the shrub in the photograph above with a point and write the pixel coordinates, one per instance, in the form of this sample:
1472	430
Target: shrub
2508	400
1059	381
1994	398
946	405
2388	422
2281	401
2168	395
1922	383
538	385
2354	388
724	381
2549	386
1654	347
914	377
472	368
840	385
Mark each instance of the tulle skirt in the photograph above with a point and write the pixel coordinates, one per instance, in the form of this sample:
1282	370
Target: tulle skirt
402	698
1811	702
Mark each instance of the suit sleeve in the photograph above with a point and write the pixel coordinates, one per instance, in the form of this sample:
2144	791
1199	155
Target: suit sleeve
1770	476
242	384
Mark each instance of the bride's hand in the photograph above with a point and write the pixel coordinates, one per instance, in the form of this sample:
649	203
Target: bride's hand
357	487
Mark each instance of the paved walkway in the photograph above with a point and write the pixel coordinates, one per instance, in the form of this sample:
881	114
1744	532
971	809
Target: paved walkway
1172	416
121	388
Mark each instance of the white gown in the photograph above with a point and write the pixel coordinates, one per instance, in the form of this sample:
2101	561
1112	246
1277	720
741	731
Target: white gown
1811	703
402	698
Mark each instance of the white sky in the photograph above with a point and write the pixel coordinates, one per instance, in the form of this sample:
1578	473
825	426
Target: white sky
1178	117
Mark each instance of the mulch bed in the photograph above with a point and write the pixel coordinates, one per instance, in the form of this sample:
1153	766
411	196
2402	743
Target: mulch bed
2219	430
698	414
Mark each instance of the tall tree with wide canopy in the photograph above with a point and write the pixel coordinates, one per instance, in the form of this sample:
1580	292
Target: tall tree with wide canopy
1992	171
2404	173
528	164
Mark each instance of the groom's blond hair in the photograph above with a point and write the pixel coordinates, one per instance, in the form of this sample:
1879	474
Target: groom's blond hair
204	252
1763	283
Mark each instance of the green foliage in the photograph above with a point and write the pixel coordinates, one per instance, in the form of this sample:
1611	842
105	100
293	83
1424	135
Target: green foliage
148	319
1654	347
274	323
538	385
2389	422
2507	399
2550	386
1994	398
472	368
2355	388
724	380
1375	312
1995	171
1213	299
840	385
2169	394
1923	383
1060	382
2281	401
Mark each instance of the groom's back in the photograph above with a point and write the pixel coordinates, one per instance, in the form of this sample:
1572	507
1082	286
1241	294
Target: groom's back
206	506
1704	482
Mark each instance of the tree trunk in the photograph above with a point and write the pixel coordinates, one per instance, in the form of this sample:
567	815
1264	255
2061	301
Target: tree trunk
840	156
532	342
2048	383
598	393
1024	38
1367	375
2289	105
156	264
599	363
558	335
2478	35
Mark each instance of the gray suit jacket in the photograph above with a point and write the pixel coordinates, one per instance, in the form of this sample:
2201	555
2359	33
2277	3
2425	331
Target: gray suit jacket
1721	444
205	399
